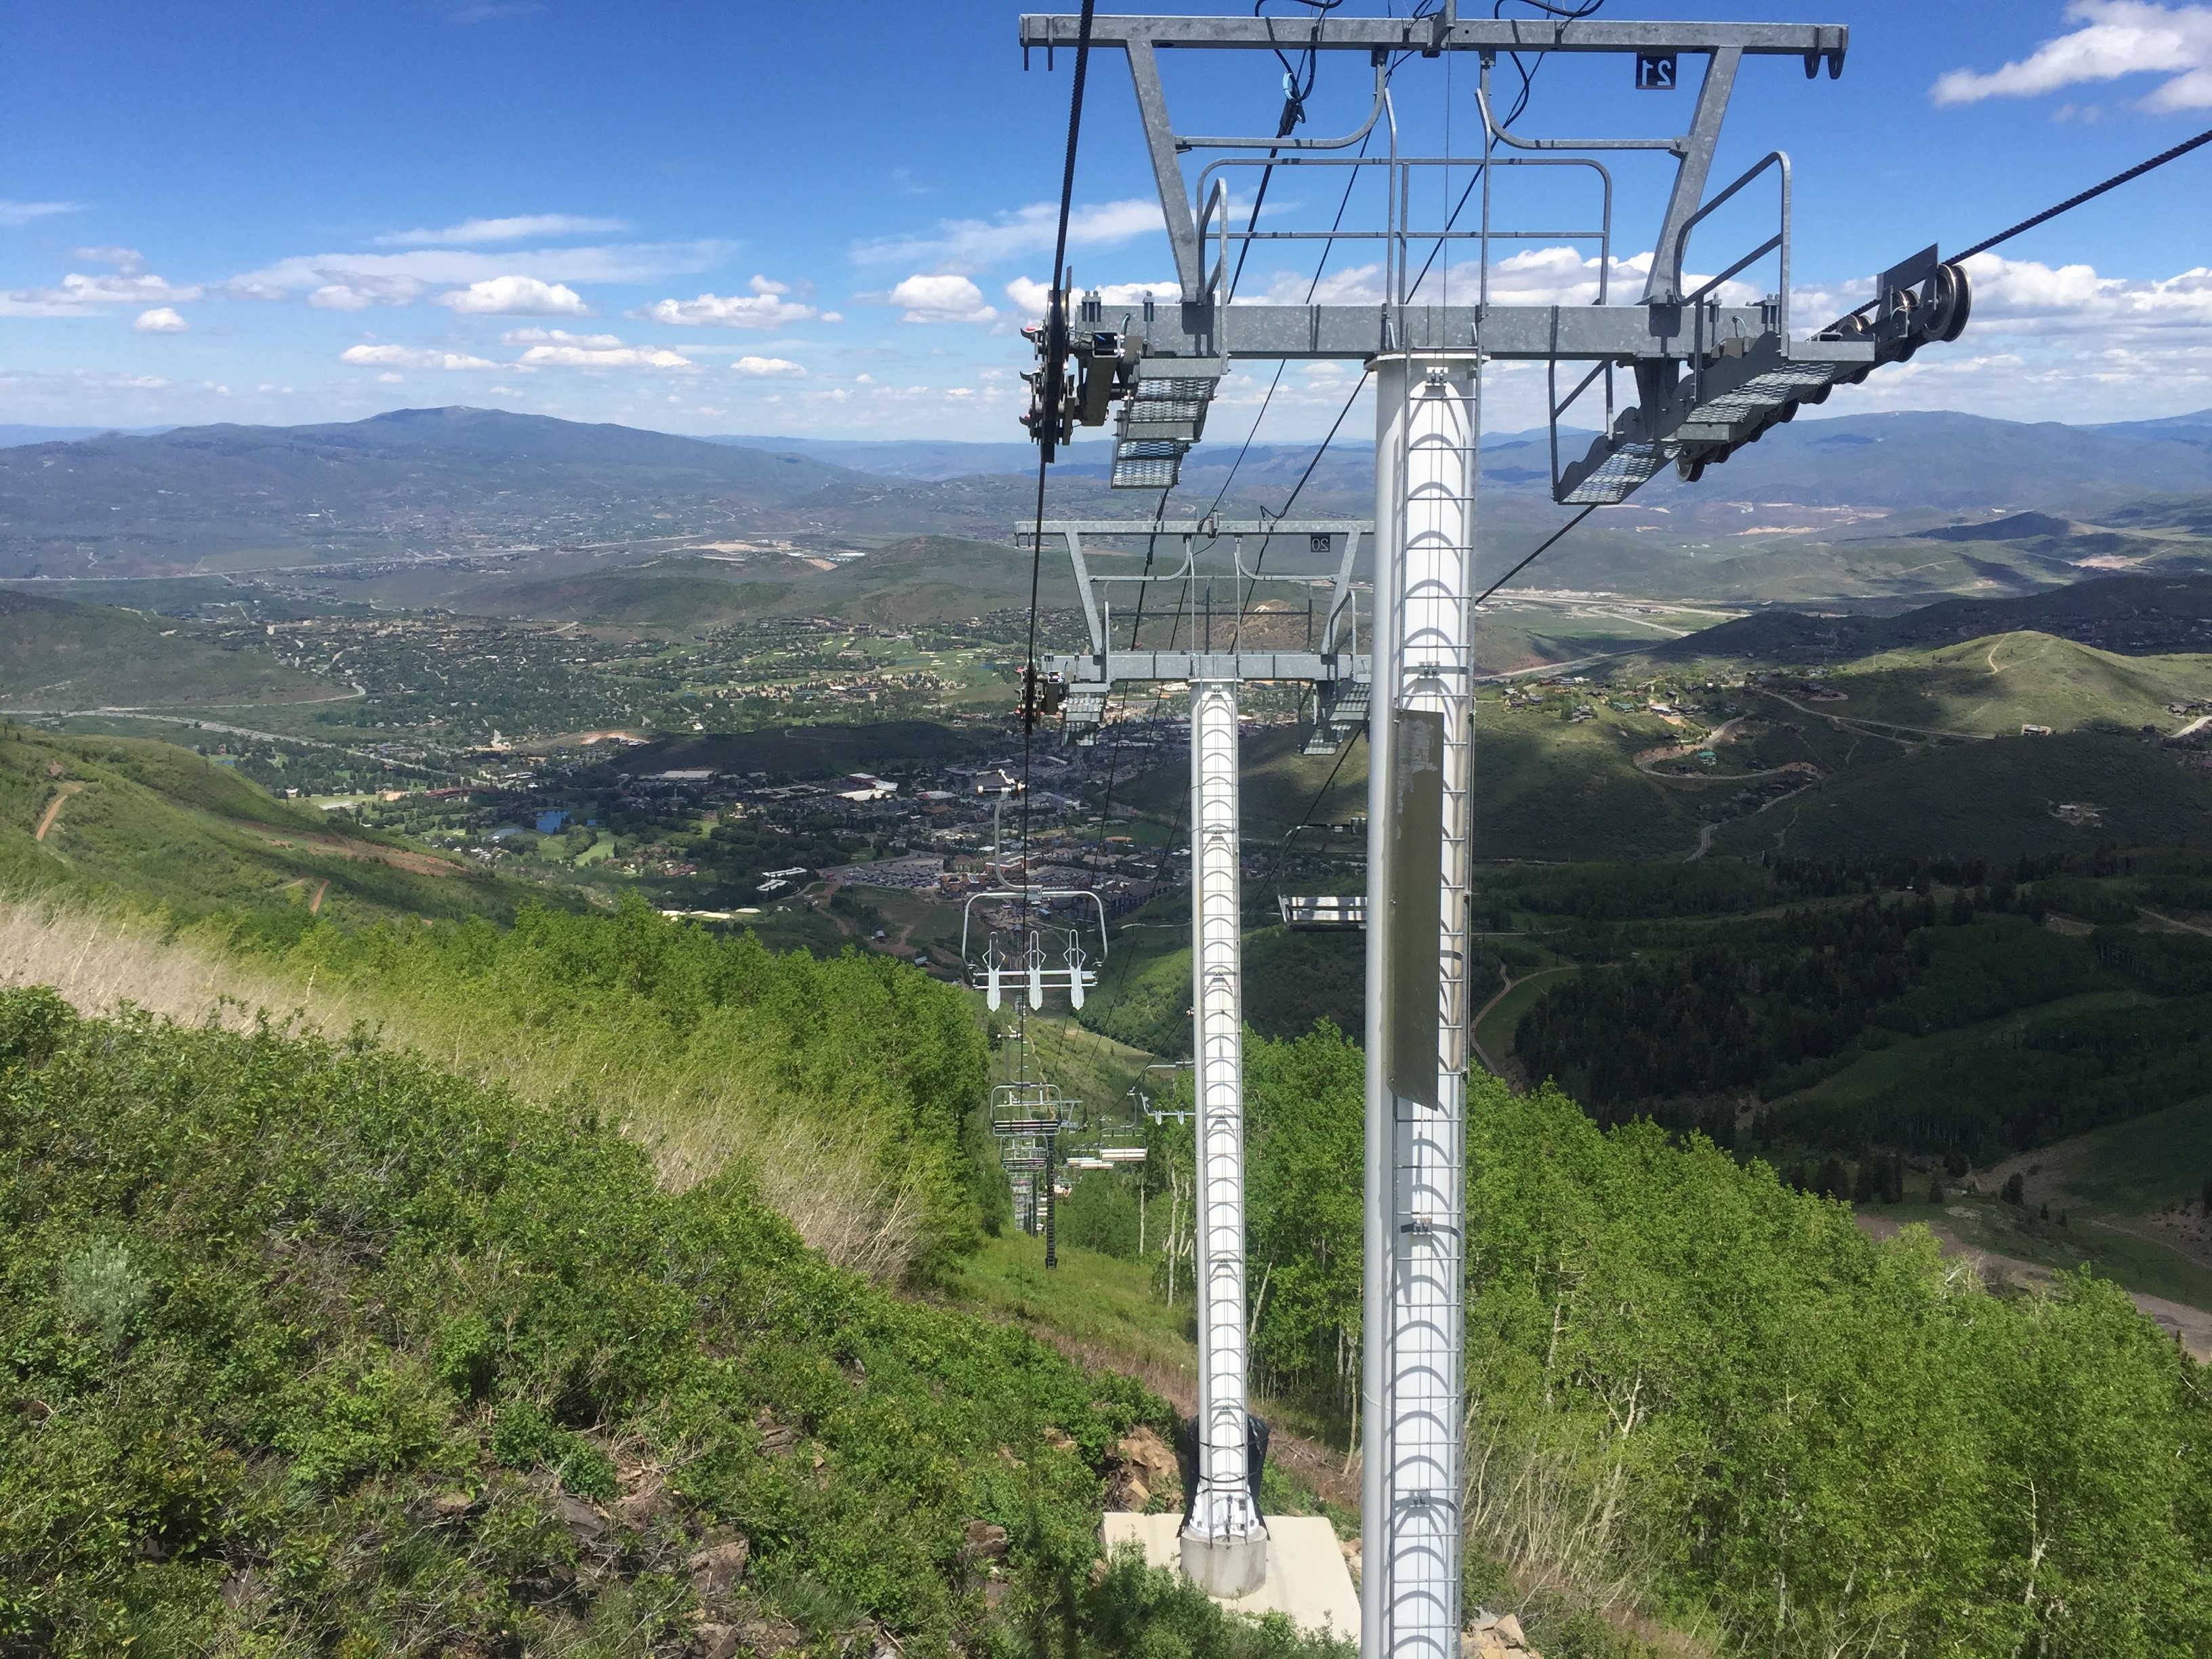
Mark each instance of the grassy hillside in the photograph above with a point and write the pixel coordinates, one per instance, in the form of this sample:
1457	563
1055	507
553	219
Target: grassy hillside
1995	800
321	1350
56	653
157	824
2135	615
694	593
1997	684
1546	790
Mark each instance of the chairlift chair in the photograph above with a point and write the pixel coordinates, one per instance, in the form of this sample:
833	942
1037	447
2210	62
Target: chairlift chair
1039	955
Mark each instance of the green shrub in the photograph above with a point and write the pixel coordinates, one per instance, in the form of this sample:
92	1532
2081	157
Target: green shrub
411	1366
98	1288
703	1045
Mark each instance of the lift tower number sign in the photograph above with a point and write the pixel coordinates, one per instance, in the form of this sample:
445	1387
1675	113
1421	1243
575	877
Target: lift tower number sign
1655	71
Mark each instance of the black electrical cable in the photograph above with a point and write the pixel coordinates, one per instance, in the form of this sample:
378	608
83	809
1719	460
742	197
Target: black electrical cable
1295	94
1312	288
1343	754
1050	385
1537	555
1113	755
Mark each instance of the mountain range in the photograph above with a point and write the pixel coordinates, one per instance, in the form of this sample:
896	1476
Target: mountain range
423	505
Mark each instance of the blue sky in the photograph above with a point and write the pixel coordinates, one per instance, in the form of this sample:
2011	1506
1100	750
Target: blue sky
752	217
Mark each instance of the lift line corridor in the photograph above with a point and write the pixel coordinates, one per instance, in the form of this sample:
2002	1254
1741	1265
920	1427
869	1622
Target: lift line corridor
1708	376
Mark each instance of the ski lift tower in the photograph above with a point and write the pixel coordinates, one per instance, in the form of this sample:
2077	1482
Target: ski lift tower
1708	376
1222	649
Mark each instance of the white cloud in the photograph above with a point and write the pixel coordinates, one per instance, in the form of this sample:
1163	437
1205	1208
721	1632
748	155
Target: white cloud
616	357
1559	275
2117	38
558	337
514	296
341	297
397	278
400	356
768	367
487	10
128	260
943	299
765	308
975	243
363	289
518	228
160	320
16	213
390	379
1030	296
121	289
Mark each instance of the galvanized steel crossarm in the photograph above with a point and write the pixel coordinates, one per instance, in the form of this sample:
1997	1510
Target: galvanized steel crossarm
1119	667
1626	333
1023	531
1434	33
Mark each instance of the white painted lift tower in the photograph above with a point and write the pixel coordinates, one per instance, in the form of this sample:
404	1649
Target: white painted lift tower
1710	374
1224	1544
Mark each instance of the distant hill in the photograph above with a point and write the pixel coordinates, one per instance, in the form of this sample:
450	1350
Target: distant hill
11	436
161	825
2134	615
922	579
1994	800
412	482
2193	428
56	653
1954	463
2013	528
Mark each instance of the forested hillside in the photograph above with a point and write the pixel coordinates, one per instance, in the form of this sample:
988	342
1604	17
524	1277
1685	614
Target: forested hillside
1692	1389
2032	1002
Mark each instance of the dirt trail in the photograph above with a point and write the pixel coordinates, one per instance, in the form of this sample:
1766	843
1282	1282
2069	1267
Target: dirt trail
2173	922
1328	1473
1474	1025
1880	728
54	810
421	864
2193	1326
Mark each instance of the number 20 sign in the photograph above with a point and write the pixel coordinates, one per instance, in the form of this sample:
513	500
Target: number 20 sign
1655	71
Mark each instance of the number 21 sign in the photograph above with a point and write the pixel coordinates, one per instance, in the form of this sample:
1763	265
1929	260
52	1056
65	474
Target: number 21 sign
1655	71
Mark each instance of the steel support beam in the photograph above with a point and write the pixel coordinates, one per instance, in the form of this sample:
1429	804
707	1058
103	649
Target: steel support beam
1225	1543
1119	667
1420	734
1438	33
1621	333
